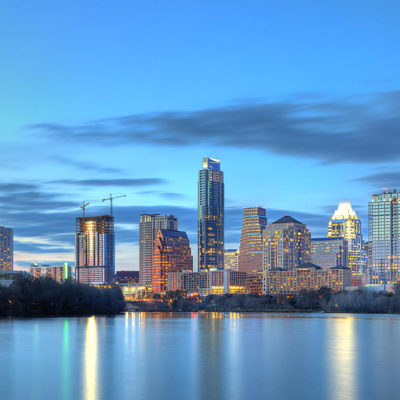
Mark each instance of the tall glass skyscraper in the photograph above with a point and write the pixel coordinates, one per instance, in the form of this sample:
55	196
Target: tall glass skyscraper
95	250
384	237
6	248
211	215
345	223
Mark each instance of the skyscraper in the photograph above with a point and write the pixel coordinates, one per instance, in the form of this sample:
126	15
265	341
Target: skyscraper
6	248
171	254
329	252
211	215
345	223
148	228
286	244
95	249
384	236
231	259
251	243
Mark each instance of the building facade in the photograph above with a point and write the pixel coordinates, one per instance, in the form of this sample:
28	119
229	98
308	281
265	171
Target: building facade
172	253
329	252
384	237
212	281
286	244
280	281
211	215
251	240
345	223
148	228
95	250
231	259
59	273
6	249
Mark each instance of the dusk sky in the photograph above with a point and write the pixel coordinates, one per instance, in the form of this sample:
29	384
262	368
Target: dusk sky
299	101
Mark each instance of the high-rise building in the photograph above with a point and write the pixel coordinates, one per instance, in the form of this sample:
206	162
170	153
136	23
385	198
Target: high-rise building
286	244
172	253
345	223
6	248
211	215
251	240
148	228
384	236
231	259
329	252
95	249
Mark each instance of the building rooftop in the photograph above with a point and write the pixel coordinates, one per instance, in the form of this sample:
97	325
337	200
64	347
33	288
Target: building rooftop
308	265
344	211
176	234
287	219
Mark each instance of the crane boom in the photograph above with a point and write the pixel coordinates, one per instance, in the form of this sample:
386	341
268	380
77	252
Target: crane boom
110	199
83	206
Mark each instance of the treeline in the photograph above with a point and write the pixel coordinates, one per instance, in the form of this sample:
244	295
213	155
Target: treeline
46	297
358	301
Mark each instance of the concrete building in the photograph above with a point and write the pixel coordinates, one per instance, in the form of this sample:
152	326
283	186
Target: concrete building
172	253
231	259
329	252
148	227
6	249
280	281
95	250
211	215
59	273
204	283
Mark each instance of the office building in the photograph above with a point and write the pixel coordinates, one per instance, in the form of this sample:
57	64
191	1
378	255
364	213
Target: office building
172	253
127	277
384	237
280	281
286	244
6	248
345	223
59	273
329	252
231	259
95	250
148	228
211	215
251	240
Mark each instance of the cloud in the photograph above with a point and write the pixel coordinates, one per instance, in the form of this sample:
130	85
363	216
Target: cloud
112	182
363	130
382	179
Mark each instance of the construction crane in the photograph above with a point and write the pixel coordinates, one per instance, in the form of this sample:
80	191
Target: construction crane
83	206
110	199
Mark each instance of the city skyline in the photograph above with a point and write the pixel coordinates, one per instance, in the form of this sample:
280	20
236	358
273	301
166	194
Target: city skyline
299	101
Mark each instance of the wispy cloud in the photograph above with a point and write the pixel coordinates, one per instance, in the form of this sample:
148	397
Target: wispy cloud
112	182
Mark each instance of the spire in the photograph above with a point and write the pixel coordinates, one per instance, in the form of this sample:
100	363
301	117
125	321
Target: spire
344	211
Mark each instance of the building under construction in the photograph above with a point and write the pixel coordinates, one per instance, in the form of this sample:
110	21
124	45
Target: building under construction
95	249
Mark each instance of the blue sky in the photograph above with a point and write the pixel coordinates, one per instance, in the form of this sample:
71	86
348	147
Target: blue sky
299	101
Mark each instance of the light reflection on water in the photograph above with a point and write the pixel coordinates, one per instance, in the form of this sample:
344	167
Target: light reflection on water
201	356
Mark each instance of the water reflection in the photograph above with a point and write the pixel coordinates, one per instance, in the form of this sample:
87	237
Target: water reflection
65	362
90	369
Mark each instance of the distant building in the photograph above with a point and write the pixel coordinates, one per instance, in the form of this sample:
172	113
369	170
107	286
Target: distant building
95	250
8	277
6	248
59	273
133	291
251	240
384	236
204	283
172	253
345	223
280	281
211	215
148	228
329	252
231	259
127	277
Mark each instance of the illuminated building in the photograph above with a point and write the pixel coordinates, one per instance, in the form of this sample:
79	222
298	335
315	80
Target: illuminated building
204	283
95	250
251	240
384	236
211	215
59	272
345	223
171	253
148	228
127	277
306	277
231	259
133	291
329	252
6	248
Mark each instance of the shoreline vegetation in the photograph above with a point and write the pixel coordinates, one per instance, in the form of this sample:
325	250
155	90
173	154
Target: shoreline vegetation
322	300
44	297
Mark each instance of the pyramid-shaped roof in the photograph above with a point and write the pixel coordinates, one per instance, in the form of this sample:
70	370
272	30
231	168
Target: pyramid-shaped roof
287	219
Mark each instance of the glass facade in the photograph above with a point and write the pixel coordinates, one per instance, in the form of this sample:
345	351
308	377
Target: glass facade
384	237
231	259
329	252
345	223
211	215
6	248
